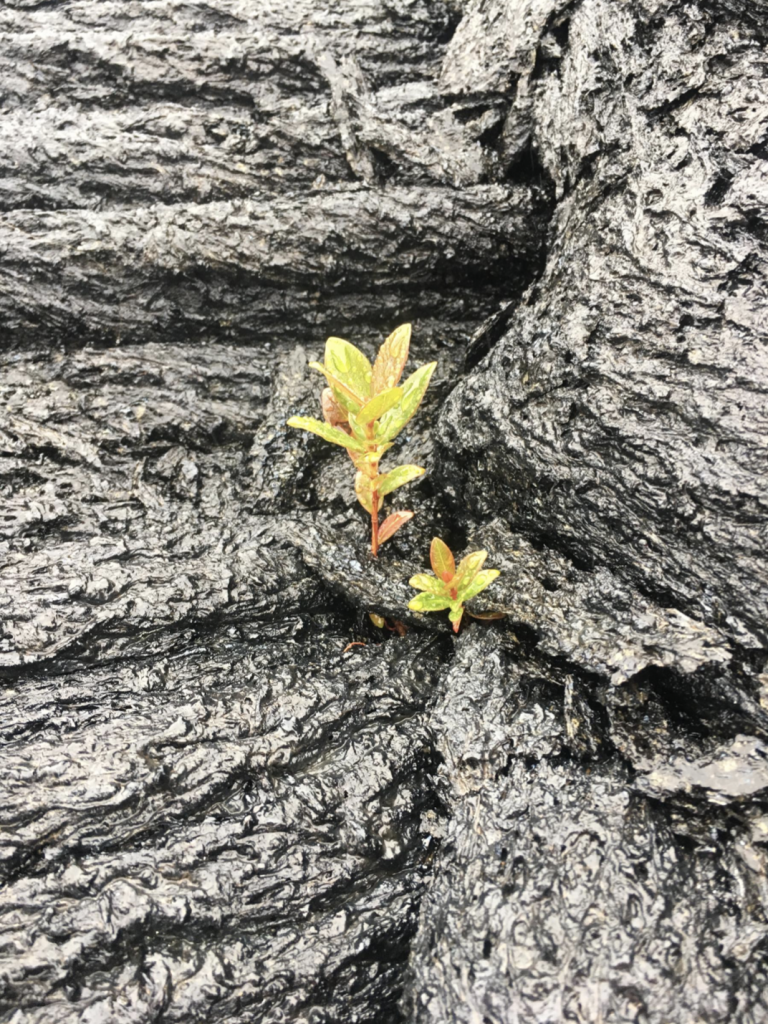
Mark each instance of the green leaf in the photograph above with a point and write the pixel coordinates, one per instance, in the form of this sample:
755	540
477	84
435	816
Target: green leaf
342	392
367	459
421	581
349	365
391	360
429	603
455	614
398	477
370	459
379	404
441	558
327	432
364	492
392	524
480	582
392	422
468	568
355	427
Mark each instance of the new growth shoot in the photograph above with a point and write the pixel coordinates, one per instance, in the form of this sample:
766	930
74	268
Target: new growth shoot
451	587
365	407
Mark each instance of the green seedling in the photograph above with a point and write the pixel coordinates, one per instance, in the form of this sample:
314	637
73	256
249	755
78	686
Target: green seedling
365	407
451	587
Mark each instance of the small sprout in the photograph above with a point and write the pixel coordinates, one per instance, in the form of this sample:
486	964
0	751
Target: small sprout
393	625
364	408
451	587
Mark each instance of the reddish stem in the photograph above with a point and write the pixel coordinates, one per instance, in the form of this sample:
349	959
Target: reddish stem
369	432
374	522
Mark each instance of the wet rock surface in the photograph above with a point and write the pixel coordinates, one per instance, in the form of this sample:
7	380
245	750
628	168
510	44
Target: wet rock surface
195	172
226	795
623	412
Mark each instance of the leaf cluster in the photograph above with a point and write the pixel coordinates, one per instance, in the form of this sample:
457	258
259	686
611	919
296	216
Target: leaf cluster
450	587
364	409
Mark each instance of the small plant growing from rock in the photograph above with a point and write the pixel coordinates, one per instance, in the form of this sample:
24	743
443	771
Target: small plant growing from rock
451	587
365	408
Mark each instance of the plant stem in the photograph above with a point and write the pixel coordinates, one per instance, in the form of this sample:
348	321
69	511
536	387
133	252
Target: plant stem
374	522
369	431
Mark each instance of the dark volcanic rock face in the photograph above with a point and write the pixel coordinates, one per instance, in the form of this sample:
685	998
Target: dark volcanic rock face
213	808
197	172
623	414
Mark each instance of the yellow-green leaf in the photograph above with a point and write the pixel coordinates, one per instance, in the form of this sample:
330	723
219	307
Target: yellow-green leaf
355	427
395	478
342	392
371	459
480	582
379	404
429	603
442	561
349	365
421	581
365	461
455	614
391	360
364	492
468	568
392	422
327	432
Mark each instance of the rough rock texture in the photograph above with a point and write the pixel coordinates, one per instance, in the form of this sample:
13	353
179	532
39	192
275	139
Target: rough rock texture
212	808
186	171
624	413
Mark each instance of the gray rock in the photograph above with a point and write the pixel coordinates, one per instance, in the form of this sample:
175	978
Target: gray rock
226	794
622	416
